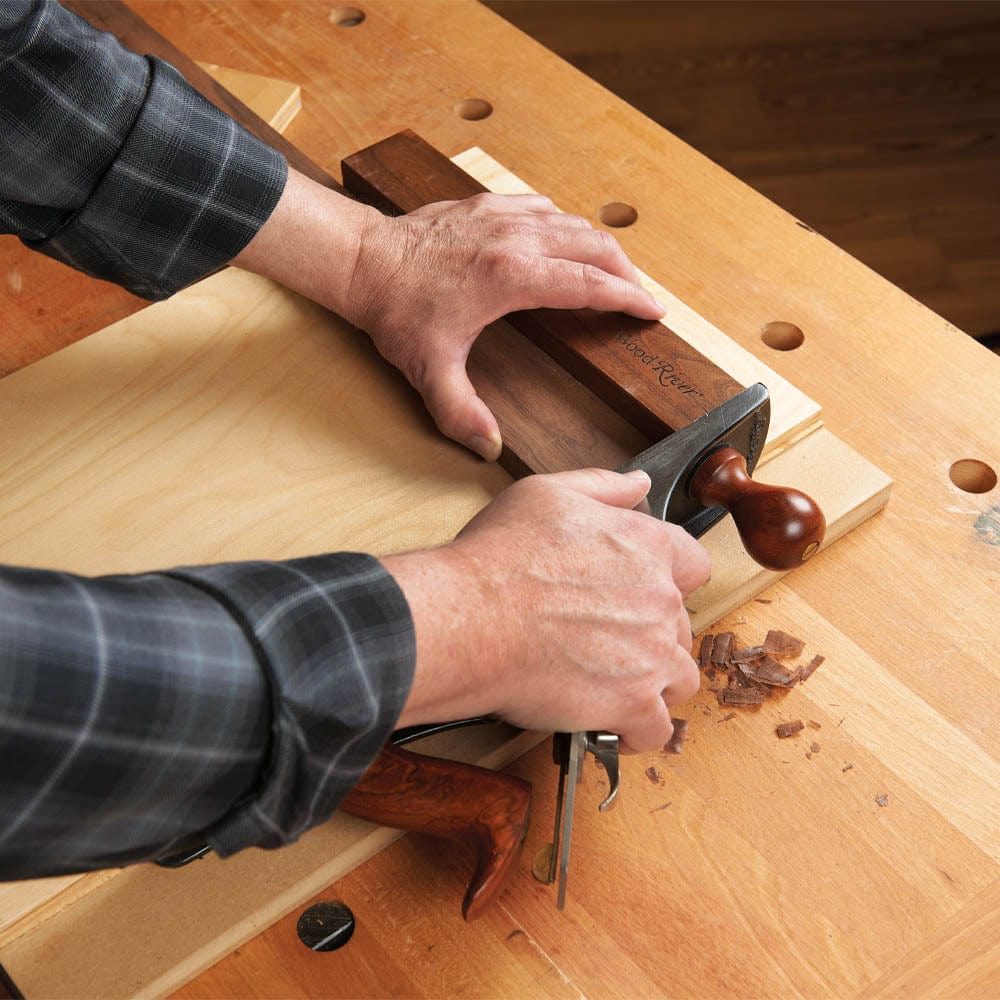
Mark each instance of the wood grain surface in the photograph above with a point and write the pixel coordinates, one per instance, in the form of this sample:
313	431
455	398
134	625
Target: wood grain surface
770	873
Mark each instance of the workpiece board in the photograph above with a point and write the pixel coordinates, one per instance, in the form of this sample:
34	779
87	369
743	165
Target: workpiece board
238	420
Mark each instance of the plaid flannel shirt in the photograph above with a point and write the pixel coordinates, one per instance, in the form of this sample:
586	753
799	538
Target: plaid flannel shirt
238	701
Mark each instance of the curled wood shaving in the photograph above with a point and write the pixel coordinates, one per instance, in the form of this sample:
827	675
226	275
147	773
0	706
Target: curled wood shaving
783	645
786	729
705	652
769	671
720	649
810	668
751	673
740	696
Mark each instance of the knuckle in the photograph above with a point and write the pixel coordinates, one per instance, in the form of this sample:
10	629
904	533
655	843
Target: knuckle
594	278
606	242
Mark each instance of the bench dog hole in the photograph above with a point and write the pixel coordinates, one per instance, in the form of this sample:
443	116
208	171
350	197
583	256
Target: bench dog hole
347	17
326	926
972	476
782	336
473	109
617	214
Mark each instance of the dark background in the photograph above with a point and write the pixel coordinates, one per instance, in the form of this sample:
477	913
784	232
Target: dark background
877	123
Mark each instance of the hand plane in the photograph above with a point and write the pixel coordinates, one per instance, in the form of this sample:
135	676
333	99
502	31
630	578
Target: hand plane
697	474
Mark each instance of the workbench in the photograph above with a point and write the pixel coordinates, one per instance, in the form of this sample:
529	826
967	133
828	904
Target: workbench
860	859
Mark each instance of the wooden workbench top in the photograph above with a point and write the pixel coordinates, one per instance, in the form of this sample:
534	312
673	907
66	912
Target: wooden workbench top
774	870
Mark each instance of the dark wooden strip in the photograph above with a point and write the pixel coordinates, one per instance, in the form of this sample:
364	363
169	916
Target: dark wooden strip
643	370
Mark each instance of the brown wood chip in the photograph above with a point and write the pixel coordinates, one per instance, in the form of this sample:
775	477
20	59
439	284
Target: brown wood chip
763	600
705	652
741	696
747	654
787	729
769	671
813	724
882	800
728	716
676	742
847	767
810	668
783	645
654	776
720	650
814	746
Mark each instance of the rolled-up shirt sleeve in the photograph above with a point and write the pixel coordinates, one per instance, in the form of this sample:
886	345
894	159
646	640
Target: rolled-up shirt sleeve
238	702
114	165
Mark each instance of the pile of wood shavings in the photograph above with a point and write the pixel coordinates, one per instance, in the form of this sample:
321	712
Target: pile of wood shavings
746	676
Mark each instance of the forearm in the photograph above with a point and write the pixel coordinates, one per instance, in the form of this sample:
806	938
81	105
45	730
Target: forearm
239	702
310	242
114	165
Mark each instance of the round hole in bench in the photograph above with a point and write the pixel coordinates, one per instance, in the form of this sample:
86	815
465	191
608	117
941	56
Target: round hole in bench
473	109
782	336
617	214
346	17
972	476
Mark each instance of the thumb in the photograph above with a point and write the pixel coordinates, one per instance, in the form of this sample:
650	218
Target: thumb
624	490
458	411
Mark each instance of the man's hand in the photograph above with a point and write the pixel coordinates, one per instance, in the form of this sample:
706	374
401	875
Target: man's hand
557	607
424	285
427	283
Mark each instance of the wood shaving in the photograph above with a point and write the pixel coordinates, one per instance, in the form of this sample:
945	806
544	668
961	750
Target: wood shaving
720	648
740	696
654	776
810	668
882	800
786	729
746	676
783	645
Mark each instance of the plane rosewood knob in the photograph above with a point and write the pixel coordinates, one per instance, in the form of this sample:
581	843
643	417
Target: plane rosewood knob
781	527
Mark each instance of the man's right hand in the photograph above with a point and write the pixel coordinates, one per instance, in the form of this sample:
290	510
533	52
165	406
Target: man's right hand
557	607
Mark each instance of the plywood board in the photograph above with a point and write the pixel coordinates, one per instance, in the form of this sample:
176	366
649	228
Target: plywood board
238	420
276	101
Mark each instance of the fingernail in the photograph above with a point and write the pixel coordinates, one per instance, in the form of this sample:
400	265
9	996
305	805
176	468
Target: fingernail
488	447
660	305
638	474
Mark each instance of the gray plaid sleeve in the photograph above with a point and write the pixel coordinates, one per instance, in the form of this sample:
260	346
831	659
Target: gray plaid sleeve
238	702
114	165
